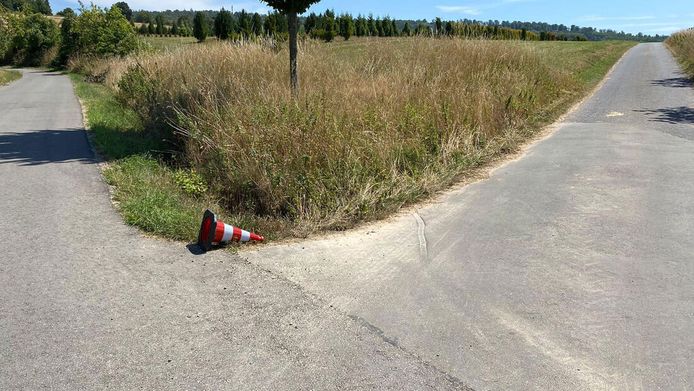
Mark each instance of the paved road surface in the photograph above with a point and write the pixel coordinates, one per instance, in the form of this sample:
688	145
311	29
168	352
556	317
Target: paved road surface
87	303
569	269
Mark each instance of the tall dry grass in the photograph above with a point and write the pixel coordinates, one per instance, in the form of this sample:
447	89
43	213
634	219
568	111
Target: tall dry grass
377	125
682	45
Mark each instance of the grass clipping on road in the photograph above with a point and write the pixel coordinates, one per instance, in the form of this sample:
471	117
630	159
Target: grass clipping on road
380	123
682	45
7	76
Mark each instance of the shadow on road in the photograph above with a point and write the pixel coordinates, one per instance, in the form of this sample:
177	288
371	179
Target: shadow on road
44	147
675	82
671	115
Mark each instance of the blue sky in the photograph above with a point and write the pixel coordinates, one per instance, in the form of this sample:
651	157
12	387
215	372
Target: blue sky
650	17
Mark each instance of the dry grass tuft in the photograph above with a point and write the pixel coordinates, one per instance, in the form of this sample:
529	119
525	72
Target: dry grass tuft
682	44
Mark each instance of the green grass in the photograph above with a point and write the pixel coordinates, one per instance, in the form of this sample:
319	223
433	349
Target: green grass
592	59
168	43
7	76
149	194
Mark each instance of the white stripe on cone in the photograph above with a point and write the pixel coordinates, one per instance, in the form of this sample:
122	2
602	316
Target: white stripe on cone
229	234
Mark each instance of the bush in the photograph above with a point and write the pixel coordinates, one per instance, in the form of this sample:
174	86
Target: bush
27	39
104	33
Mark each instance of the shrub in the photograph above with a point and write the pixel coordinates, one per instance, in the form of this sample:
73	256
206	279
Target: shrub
101	32
28	38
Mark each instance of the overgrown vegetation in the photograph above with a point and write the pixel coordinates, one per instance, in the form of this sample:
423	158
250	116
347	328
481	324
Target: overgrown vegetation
30	38
379	124
682	45
150	195
8	76
28	6
27	39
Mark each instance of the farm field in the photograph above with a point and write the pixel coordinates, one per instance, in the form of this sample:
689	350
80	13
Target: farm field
168	43
381	123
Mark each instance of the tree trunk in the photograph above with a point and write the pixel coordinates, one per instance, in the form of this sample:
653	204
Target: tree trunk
294	52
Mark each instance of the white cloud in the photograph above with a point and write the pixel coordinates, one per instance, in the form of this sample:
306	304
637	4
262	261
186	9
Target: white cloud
598	18
458	9
477	8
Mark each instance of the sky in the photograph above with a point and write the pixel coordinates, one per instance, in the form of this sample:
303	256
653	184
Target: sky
634	16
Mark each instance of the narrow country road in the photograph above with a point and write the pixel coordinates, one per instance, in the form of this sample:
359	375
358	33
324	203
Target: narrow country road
571	268
87	303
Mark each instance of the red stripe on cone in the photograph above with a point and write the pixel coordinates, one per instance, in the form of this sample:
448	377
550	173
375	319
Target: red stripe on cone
215	232
237	234
219	232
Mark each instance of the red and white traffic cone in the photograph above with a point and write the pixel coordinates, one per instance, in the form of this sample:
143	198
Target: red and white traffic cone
216	232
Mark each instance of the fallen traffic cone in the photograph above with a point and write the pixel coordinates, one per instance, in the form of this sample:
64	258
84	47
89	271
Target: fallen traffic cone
216	232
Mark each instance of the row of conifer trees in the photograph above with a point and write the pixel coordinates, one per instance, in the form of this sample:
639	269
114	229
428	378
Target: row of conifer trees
328	26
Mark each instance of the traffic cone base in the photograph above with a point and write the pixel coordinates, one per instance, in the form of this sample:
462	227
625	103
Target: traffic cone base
216	232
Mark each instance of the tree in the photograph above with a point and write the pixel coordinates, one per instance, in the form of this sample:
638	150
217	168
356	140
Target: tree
373	26
160	24
29	38
310	23
406	31
329	26
244	24
270	25
125	10
174	29
346	26
223	25
439	26
257	25
292	8
150	28
449	28
66	12
103	33
200	30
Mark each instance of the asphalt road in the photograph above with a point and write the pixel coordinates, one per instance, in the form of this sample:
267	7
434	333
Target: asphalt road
571	268
87	303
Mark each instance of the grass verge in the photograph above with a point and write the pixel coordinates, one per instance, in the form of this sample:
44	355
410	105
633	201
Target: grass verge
148	193
682	46
7	76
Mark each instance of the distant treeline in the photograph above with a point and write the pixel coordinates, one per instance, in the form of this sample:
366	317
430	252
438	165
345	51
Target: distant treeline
590	33
329	25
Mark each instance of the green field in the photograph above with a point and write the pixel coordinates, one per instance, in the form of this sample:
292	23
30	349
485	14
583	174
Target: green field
167	43
381	123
